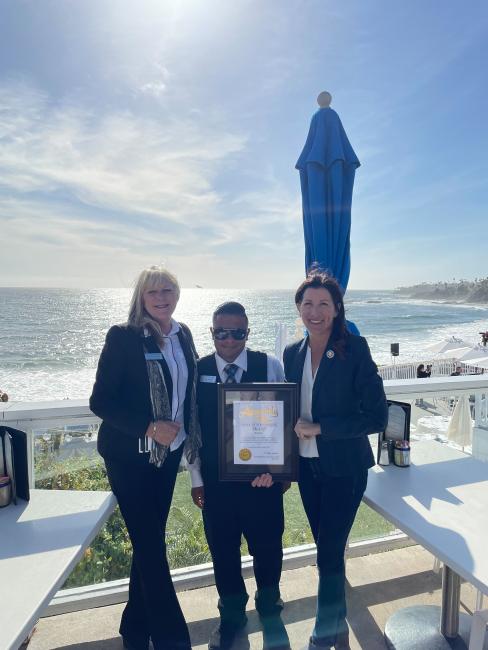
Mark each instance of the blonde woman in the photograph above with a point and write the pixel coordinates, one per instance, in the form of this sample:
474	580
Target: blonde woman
144	393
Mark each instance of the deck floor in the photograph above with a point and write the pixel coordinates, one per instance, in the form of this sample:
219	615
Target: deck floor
377	586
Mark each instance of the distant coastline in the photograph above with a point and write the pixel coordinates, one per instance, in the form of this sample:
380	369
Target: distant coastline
465	291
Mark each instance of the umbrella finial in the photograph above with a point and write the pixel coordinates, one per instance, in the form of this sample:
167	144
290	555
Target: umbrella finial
324	99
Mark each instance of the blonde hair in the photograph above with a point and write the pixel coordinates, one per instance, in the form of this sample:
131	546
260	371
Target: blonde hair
149	278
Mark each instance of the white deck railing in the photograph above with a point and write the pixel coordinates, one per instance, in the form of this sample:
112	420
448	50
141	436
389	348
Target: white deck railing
38	417
440	368
50	413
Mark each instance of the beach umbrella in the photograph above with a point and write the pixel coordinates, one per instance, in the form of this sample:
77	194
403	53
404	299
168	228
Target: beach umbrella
448	344
460	427
327	166
455	353
475	353
479	363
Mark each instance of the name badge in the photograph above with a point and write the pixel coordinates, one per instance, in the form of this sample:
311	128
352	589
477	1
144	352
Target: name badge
208	379
153	356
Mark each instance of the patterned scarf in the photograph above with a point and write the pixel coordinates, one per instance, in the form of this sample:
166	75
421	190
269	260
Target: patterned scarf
161	408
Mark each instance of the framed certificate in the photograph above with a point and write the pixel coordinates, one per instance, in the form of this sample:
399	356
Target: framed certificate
256	431
398	427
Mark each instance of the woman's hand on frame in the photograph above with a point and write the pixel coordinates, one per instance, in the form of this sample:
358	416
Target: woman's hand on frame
163	431
306	430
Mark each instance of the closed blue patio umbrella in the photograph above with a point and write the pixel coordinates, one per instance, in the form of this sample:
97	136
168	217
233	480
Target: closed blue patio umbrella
327	166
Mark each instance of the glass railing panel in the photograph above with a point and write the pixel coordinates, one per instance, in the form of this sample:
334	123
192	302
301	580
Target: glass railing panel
369	525
64	457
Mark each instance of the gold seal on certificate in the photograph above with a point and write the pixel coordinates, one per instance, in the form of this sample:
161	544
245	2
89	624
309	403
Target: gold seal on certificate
256	431
245	454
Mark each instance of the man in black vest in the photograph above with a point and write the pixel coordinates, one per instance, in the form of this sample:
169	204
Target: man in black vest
232	509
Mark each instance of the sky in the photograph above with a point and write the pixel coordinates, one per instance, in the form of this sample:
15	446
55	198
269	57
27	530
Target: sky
139	132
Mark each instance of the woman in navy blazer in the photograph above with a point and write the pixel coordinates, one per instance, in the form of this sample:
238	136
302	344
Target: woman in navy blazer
144	393
341	401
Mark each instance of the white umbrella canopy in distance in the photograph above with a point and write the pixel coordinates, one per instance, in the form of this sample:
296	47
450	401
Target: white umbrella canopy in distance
448	344
479	363
455	353
477	352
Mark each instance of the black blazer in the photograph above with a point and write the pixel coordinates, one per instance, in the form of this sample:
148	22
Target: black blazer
348	401
120	394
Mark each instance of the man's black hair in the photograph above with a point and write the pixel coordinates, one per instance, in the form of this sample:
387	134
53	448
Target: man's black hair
230	307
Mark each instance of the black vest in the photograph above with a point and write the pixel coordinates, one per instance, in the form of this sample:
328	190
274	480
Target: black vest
207	399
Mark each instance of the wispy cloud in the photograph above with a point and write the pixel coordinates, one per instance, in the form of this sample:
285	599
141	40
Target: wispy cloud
116	161
121	186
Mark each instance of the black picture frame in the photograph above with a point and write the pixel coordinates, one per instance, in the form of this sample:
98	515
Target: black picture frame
253	393
398	427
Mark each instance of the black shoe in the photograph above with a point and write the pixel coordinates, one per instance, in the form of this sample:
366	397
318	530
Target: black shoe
315	644
268	602
224	635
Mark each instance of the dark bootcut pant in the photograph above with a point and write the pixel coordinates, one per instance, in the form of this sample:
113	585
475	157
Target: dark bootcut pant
144	493
331	504
232	510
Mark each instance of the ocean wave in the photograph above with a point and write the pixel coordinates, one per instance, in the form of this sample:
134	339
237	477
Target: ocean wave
56	362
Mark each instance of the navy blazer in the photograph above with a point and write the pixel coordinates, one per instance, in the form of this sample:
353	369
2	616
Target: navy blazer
120	394
348	401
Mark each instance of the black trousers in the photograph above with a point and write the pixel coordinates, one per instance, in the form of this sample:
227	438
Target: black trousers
230	511
144	493
331	504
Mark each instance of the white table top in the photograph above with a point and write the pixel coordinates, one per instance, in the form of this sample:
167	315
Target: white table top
440	501
40	543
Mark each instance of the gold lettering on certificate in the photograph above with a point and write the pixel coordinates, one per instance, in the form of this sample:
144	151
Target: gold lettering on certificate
245	454
262	415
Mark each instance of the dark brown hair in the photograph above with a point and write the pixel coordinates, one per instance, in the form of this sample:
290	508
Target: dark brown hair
321	280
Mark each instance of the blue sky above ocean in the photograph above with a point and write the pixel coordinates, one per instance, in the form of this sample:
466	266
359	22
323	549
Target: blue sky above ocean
168	130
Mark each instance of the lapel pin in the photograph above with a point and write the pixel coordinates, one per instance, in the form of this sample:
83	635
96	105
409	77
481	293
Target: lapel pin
330	354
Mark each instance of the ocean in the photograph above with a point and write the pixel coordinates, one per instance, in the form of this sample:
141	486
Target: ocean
50	339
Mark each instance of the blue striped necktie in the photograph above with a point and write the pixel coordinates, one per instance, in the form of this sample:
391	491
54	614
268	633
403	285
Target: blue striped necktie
230	371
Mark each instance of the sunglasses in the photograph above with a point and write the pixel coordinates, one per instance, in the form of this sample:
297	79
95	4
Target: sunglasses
220	334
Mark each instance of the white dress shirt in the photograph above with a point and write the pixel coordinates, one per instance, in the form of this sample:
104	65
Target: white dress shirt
307	448
274	374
